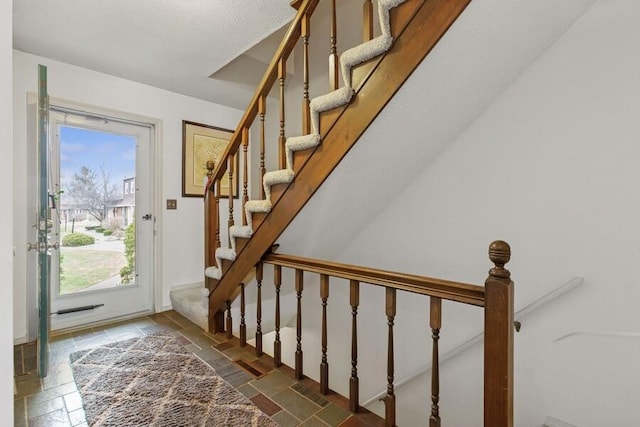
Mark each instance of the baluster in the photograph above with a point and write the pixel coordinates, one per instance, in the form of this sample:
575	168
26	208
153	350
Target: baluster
324	366
299	287
354	394
390	398
333	55
262	105
498	341
306	114
282	71
436	324
367	20
229	323
277	345
243	325
230	221
210	218
217	213
259	310
245	173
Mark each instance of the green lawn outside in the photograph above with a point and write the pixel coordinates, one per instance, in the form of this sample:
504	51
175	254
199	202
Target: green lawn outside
84	268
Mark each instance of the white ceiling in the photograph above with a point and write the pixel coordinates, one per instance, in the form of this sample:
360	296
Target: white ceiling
170	44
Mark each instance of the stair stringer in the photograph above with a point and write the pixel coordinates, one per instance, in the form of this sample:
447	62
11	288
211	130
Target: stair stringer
424	25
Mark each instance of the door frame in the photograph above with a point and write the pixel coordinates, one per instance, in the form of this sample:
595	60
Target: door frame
156	195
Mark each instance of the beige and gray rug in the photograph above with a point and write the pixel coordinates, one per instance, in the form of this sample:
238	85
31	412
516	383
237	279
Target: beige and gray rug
153	381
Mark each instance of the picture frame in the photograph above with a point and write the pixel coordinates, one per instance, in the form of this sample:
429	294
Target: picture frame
201	143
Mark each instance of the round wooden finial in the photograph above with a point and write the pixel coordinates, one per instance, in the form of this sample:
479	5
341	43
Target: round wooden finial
210	165
499	254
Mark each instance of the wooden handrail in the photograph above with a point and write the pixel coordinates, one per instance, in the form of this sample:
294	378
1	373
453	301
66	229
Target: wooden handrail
445	289
284	50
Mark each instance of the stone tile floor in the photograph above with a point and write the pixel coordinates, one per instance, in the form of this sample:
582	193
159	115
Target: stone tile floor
54	401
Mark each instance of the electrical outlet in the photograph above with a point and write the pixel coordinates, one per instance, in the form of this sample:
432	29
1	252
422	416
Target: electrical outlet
172	204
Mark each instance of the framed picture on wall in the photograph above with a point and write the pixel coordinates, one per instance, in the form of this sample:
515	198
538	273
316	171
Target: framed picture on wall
200	144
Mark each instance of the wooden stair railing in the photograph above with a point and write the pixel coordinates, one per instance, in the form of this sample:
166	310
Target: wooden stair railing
416	26
496	298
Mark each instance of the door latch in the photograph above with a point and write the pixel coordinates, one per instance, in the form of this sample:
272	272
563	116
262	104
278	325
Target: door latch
42	247
146	217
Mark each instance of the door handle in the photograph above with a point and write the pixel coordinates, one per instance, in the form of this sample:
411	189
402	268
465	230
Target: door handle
146	217
42	247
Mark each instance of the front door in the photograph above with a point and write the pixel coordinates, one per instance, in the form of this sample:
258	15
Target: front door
101	171
44	245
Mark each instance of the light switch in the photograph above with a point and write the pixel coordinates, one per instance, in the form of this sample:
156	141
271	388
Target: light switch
172	204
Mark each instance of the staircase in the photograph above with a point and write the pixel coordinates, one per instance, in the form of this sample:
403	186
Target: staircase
332	123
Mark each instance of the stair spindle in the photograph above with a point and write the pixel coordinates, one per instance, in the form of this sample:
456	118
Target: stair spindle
367	21
354	393
306	112
229	322
299	287
230	221
333	54
217	214
277	345
262	105
245	173
259	310
390	398
209	223
324	365
436	324
243	325
282	71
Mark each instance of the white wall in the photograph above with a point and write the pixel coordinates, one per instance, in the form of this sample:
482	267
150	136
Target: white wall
6	216
552	167
181	230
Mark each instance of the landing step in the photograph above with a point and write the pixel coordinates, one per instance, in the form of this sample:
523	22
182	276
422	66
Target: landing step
188	302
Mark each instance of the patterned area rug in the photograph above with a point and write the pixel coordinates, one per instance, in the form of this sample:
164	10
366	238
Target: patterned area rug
153	381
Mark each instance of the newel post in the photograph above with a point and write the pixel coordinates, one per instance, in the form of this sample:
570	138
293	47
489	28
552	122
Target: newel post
498	344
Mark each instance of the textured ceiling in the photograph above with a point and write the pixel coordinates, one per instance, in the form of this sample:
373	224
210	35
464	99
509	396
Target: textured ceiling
171	44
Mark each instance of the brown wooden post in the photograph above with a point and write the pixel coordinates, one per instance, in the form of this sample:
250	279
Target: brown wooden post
229	323
209	224
367	20
299	287
498	341
216	321
390	398
333	52
262	106
277	345
216	212
306	112
282	140
245	173
230	221
324	365
354	387
259	310
243	325
436	323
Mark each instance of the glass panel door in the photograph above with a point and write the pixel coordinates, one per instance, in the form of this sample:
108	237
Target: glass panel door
102	176
43	224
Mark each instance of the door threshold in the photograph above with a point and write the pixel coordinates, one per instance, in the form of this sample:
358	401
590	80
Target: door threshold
104	322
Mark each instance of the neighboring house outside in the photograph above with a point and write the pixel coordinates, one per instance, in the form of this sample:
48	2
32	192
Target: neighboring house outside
122	211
